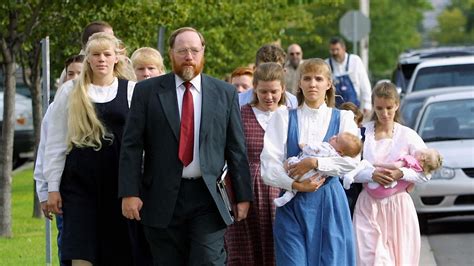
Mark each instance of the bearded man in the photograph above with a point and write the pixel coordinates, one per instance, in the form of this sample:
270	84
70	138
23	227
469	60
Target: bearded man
187	124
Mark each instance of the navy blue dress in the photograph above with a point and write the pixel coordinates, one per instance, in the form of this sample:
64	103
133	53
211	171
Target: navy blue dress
314	228
93	226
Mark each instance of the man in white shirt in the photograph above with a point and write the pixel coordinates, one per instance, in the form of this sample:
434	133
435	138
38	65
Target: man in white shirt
294	59
343	65
188	124
265	54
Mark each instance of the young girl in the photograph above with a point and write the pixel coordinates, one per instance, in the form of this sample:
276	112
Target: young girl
250	242
315	227
147	63
386	230
82	153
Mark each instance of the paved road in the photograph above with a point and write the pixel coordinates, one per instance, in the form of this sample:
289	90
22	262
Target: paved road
450	241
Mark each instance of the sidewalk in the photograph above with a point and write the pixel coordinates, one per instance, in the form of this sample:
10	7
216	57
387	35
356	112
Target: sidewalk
426	257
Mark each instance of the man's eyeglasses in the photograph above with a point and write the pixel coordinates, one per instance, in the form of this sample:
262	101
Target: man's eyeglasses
185	51
297	53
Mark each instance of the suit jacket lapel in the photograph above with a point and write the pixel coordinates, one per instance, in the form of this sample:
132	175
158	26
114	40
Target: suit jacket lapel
209	96
168	98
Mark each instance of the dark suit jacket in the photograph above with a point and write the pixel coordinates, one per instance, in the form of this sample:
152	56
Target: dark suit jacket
153	126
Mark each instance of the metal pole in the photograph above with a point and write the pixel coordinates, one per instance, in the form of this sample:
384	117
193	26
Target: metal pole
364	43
161	40
354	34
45	96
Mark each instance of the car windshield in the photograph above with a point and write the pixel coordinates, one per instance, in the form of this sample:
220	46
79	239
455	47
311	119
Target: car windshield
448	120
409	111
444	76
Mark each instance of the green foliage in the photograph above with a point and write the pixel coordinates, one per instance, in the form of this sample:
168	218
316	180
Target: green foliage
234	30
456	24
27	246
394	28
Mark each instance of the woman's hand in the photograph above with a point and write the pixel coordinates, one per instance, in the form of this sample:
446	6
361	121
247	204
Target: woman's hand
55	203
297	170
386	176
309	185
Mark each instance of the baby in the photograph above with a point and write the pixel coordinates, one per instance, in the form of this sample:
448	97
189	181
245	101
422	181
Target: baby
343	144
424	160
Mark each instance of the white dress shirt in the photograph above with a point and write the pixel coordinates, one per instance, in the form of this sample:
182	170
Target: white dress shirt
359	78
194	168
263	117
41	184
312	126
56	145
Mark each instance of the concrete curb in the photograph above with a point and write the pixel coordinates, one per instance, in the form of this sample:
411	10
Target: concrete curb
426	253
23	167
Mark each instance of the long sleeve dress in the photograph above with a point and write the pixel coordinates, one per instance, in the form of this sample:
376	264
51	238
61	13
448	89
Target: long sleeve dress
93	226
250	242
386	230
314	228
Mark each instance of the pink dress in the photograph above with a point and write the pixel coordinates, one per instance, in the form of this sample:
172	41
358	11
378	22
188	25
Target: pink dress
386	230
250	242
382	192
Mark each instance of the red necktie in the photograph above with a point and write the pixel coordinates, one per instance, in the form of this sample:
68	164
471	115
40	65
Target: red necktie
186	134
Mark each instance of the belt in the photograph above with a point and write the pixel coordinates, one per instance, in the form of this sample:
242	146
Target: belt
185	178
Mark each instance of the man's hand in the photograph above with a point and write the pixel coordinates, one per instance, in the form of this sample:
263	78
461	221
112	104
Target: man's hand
297	170
242	210
44	209
131	207
55	203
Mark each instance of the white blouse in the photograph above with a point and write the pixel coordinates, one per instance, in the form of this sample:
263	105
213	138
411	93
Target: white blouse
263	117
312	125
404	141
56	146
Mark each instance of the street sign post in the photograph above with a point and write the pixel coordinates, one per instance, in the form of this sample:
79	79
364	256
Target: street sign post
354	26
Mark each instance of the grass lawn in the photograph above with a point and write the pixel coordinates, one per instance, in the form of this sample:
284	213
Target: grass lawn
28	245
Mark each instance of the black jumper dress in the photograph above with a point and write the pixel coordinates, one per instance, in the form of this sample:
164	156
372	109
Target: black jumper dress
94	228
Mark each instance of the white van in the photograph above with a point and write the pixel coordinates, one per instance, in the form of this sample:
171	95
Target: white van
441	73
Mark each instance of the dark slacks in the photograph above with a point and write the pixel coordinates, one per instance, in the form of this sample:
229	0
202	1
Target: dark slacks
195	235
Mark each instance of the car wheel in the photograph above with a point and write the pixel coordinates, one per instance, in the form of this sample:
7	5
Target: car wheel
423	222
17	162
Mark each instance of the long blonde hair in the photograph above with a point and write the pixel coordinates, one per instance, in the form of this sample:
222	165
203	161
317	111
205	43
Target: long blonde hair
84	127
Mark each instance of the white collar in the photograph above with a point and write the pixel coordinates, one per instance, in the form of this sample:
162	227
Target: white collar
306	109
196	81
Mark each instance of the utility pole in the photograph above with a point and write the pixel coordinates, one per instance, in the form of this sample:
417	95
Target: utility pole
364	6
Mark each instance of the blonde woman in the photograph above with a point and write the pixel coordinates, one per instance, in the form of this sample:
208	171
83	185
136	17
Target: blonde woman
82	153
147	63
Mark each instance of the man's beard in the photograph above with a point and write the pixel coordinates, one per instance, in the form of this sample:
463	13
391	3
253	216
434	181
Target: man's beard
187	71
295	63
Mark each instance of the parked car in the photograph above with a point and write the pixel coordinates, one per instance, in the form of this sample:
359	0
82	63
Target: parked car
408	61
24	139
440	73
446	123
412	103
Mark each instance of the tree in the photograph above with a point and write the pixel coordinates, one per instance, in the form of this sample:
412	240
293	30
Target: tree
456	24
19	20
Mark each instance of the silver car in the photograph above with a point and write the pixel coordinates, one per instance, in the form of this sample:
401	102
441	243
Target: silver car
446	123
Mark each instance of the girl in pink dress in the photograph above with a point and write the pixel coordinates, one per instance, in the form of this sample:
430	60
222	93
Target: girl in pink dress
386	230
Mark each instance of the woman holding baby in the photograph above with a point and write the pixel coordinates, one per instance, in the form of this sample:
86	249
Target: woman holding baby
315	227
386	229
